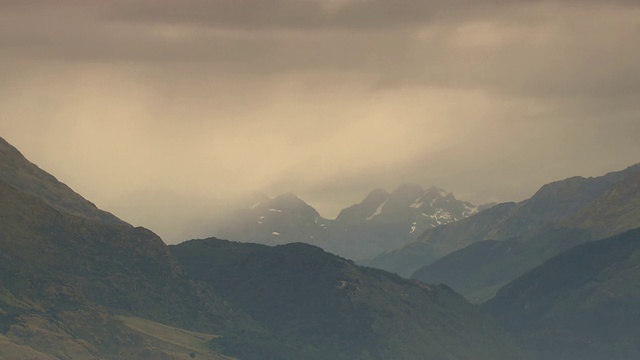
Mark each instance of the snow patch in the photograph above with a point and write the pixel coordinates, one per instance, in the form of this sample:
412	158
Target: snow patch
469	210
275	210
275	233
417	203
255	205
378	211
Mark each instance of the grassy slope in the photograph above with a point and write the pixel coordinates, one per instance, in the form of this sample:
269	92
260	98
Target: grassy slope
177	342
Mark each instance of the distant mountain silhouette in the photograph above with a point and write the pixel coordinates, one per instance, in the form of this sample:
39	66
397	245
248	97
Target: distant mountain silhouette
555	205
382	221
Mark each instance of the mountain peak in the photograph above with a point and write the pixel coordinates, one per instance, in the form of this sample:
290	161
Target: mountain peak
408	190
25	176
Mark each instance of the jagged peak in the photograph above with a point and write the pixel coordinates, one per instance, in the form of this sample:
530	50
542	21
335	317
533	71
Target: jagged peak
408	188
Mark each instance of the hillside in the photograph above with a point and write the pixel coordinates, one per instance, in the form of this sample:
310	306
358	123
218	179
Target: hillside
64	277
479	270
581	304
25	176
321	306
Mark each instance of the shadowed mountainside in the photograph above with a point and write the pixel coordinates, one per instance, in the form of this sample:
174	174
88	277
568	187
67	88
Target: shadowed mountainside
554	205
581	304
480	269
323	306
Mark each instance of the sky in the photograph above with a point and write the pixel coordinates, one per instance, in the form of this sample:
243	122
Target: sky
170	113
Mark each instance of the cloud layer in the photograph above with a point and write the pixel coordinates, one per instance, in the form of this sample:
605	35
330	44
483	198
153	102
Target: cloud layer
168	112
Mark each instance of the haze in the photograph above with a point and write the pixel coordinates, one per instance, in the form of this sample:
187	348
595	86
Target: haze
170	113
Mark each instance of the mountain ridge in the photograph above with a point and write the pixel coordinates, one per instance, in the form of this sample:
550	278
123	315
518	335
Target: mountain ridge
381	221
553	204
580	304
22	174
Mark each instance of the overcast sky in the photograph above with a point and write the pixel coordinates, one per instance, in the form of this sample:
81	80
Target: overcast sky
167	112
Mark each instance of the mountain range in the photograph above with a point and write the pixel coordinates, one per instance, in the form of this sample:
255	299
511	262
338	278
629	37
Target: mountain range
478	255
78	283
557	276
382	221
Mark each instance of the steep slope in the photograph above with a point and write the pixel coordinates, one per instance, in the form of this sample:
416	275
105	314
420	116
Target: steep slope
581	304
319	306
617	210
380	222
23	175
64	276
479	270
553	204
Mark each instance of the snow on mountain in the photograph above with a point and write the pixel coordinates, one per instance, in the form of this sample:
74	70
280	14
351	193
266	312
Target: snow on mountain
382	221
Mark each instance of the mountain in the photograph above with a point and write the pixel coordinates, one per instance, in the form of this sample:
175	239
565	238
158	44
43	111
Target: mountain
77	284
437	242
385	221
325	307
479	270
281	220
617	210
23	175
553	205
380	222
581	304
67	277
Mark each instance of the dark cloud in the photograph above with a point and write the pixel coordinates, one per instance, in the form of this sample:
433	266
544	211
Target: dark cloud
321	14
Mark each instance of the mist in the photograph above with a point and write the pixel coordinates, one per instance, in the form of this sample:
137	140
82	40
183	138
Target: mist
170	119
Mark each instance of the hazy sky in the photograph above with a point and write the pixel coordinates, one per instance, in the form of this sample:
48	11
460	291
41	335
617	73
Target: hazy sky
165	112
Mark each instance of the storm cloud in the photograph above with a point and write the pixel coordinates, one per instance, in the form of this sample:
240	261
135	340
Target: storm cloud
167	112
